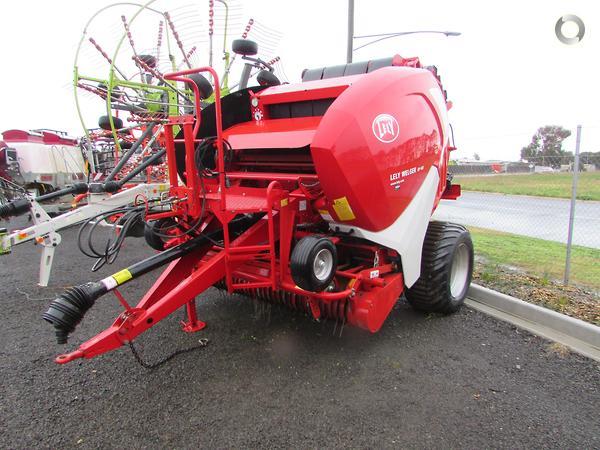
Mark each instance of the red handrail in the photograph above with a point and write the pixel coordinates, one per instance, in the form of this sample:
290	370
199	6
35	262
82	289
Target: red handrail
180	76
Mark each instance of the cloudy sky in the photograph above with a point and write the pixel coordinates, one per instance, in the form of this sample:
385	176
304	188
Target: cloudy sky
507	74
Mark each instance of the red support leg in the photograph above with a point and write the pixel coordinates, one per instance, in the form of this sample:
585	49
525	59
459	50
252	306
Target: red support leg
193	324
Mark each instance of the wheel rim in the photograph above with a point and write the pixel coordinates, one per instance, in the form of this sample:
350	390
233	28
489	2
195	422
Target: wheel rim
459	273
323	264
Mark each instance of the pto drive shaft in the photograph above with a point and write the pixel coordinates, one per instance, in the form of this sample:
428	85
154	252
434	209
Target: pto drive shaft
67	310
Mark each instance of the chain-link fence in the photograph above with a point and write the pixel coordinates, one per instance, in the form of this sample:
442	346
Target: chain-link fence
520	214
588	162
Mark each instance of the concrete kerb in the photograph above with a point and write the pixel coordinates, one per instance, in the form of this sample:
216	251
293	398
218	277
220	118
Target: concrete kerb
580	336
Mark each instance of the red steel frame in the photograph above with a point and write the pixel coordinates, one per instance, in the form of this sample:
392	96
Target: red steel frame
249	263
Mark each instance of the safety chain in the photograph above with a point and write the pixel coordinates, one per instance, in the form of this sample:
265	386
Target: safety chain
202	343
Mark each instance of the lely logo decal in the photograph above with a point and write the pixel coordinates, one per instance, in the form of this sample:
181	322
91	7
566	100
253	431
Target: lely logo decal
385	128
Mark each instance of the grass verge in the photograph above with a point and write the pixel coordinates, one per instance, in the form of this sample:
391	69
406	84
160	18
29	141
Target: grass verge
532	270
538	256
540	184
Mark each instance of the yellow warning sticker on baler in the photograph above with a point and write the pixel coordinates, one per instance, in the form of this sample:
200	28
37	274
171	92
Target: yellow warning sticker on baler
122	276
342	209
284	202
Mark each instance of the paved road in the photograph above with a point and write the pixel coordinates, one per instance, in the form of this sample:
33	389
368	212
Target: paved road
544	218
462	381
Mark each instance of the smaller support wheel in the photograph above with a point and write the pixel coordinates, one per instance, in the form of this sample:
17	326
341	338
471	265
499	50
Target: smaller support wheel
313	263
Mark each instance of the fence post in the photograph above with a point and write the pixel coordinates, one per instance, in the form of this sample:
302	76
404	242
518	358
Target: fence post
572	211
350	44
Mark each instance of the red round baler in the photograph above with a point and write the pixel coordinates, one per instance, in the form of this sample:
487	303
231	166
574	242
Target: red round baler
317	195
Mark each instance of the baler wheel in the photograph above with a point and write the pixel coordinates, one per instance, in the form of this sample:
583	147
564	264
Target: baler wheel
446	269
313	263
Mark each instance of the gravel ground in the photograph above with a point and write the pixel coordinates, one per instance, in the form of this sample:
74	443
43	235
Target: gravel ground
462	381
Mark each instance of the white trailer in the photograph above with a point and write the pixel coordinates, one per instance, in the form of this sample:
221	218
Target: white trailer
43	160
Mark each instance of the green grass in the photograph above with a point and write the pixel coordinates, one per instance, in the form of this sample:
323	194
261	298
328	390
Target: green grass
540	184
544	259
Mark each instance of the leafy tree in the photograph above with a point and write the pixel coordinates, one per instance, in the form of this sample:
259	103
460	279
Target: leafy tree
546	145
476	156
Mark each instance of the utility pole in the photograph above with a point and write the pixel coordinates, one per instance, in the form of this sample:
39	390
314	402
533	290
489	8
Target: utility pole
350	47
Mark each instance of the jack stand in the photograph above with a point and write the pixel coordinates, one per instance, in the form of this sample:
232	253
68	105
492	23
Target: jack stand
193	324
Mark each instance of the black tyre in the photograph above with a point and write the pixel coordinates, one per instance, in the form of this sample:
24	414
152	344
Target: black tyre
446	269
267	78
244	47
313	263
135	229
149	60
203	84
151	230
104	123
